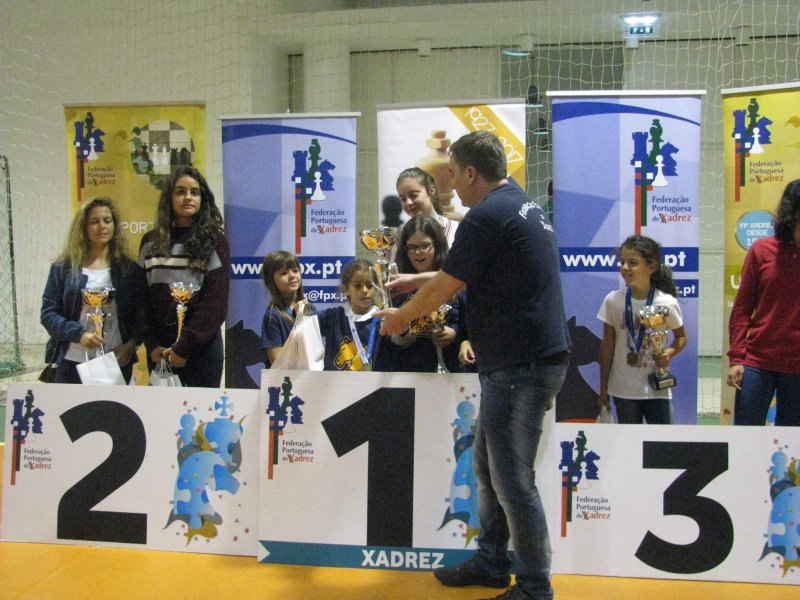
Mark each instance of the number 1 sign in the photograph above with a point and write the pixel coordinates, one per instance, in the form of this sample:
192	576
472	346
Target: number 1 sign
368	469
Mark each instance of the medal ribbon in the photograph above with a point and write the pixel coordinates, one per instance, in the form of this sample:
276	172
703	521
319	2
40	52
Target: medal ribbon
365	355
629	318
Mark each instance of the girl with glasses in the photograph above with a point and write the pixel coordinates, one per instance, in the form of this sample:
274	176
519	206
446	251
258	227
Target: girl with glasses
422	248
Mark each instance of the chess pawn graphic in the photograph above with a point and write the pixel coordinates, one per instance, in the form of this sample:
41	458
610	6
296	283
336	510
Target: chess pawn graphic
756	148
660	180
437	164
93	153
318	194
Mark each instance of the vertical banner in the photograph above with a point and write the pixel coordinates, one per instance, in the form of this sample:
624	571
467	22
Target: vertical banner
128	152
290	184
151	468
373	470
762	135
624	164
420	136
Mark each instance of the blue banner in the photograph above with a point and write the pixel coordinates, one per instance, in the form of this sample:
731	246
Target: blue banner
289	184
638	175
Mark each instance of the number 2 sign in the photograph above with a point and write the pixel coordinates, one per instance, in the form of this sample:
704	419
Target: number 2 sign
156	468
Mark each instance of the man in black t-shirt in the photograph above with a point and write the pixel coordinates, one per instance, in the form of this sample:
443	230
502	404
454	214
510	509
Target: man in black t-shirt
506	255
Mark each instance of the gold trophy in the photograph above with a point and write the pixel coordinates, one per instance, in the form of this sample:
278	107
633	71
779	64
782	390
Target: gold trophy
97	297
380	240
182	292
654	319
438	318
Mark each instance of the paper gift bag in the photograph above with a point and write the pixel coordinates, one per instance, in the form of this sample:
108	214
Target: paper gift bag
103	370
303	350
162	376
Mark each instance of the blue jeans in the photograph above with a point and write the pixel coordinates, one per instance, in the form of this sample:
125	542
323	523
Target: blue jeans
753	400
513	403
657	411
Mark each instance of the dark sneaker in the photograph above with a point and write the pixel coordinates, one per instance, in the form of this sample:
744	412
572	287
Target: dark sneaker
512	593
470	572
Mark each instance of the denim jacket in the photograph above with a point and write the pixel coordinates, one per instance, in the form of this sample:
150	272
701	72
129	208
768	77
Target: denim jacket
62	302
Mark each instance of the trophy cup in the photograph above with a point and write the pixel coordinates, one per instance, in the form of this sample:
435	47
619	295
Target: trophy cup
97	297
438	318
182	292
654	319
380	240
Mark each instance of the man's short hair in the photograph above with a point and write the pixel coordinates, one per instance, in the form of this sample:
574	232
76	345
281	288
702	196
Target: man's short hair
483	151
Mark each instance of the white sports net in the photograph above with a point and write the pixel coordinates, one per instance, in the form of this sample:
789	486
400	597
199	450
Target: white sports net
255	56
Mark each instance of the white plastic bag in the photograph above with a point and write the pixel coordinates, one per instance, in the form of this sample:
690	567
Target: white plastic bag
162	376
103	370
303	350
605	415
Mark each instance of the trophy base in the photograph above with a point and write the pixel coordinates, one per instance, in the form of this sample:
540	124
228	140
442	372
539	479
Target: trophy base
662	382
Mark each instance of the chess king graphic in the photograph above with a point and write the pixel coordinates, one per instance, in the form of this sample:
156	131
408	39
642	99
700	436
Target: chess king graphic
651	167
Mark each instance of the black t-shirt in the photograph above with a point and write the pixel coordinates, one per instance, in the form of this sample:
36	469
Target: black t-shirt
506	254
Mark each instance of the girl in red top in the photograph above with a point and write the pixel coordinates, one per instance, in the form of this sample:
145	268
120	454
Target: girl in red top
765	323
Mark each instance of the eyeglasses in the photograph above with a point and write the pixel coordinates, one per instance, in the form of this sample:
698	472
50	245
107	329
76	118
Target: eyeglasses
414	248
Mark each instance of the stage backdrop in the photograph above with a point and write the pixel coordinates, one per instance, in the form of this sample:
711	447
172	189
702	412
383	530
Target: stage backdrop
289	185
420	136
624	163
143	467
762	137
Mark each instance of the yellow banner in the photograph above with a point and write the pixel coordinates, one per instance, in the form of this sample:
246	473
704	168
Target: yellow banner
762	140
126	152
481	117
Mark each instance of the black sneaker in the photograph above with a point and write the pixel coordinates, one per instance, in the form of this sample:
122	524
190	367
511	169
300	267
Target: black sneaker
470	572
512	593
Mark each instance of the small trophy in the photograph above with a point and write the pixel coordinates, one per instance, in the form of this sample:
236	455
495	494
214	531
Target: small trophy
380	240
97	297
654	319
438	318
182	293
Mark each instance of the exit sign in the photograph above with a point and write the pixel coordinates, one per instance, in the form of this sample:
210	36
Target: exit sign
638	30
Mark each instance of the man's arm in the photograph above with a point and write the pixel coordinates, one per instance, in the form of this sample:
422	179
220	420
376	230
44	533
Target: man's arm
406	283
430	296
